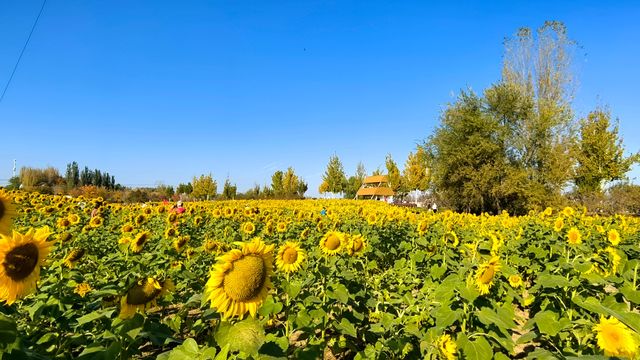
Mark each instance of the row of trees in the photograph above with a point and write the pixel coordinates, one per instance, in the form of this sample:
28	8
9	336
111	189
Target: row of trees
414	176
74	177
284	185
518	145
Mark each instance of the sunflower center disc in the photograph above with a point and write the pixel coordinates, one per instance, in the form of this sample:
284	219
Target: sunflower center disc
487	275
20	262
332	243
290	256
246	278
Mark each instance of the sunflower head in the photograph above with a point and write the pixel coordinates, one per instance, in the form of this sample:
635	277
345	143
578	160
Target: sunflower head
142	295
281	227
447	347
73	257
240	281
356	245
180	242
332	242
82	289
96	221
7	212
574	237
614	237
127	228
558	224
515	281
486	273
248	228
423	226
138	242
616	339
290	256
21	257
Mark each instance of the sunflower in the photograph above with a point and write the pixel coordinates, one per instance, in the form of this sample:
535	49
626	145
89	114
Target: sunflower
170	232
450	237
140	219
616	339
248	228
548	211
73	257
64	237
614	237
423	226
197	221
172	217
568	211
143	295
7	212
127	228
214	246
574	237
82	289
96	222
63	222
240	281
447	347
216	213
486	273
180	242
21	257
305	233
281	227
290	257
139	241
356	245
331	242
515	281
558	224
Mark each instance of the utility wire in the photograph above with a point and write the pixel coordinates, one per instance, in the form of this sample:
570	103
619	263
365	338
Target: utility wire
22	52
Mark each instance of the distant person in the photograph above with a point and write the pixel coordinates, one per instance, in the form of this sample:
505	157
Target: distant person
434	207
178	208
96	210
323	212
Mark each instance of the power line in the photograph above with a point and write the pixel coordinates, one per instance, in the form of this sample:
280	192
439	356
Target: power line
22	52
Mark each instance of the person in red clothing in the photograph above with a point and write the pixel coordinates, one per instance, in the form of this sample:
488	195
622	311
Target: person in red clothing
178	208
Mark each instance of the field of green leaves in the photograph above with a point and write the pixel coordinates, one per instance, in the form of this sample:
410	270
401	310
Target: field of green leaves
284	279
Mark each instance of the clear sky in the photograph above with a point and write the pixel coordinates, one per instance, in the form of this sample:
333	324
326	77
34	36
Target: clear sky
160	91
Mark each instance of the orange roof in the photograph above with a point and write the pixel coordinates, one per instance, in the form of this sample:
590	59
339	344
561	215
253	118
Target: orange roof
373	191
375	179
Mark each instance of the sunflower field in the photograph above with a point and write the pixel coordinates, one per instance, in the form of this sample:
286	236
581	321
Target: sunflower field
276	279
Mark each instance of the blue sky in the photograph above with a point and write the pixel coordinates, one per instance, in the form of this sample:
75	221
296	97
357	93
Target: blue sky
160	91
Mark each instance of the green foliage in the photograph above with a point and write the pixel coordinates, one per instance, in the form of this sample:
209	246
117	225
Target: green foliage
204	187
599	153
334	179
416	170
228	190
184	188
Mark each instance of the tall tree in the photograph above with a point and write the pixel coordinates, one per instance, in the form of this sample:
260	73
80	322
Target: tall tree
290	183
333	179
416	170
394	176
204	187
277	184
355	182
540	67
229	190
599	153
185	189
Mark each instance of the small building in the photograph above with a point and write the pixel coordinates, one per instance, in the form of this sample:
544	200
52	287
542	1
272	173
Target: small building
375	187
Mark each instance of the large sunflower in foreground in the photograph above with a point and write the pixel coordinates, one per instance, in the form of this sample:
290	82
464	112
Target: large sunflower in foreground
486	273
332	242
616	339
20	259
290	257
240	281
7	212
143	295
